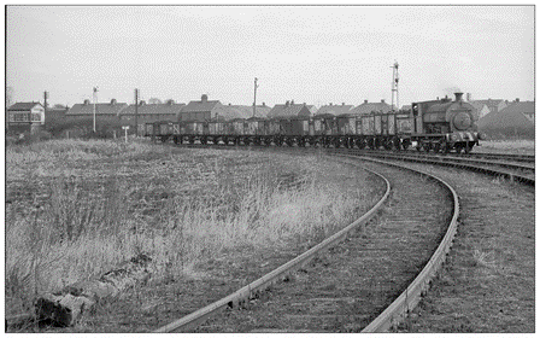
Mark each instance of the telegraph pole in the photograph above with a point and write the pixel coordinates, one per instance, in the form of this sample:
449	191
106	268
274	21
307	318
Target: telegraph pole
95	96
395	82
136	110
255	97
45	95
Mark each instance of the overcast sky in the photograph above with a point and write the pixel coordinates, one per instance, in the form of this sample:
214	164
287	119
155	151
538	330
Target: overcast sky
310	54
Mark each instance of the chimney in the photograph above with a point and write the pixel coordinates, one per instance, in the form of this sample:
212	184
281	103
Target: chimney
229	104
331	104
517	99
459	96
342	103
113	101
292	101
86	102
142	103
365	101
204	98
264	104
469	97
287	104
170	102
382	100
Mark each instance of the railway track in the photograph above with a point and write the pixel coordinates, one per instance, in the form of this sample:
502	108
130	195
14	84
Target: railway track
356	269
515	172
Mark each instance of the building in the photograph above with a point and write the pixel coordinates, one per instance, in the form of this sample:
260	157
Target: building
86	109
481	109
290	109
80	117
369	107
203	110
148	113
25	117
494	105
514	121
247	111
335	109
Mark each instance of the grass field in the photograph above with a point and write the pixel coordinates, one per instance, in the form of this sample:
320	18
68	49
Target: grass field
509	146
75	209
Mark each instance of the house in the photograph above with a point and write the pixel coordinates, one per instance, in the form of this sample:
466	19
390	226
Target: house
481	109
368	107
203	110
86	109
514	121
290	109
80	117
335	109
25	117
247	111
147	113
494	105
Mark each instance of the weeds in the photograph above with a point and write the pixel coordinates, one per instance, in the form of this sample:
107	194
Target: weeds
107	201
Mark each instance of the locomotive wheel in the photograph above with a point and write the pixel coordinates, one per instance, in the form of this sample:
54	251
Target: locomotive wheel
427	147
396	143
436	147
468	148
405	144
203	141
459	147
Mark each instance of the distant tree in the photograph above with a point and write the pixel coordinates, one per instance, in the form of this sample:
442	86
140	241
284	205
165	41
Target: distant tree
154	100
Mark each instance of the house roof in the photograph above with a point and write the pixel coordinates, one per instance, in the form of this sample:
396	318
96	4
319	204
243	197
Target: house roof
488	102
202	105
87	108
335	109
368	107
511	117
154	109
247	111
291	109
23	106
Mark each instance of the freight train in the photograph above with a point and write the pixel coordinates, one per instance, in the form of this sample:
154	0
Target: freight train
441	125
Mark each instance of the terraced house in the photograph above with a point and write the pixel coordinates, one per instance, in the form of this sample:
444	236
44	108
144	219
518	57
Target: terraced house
290	109
81	115
25	117
148	113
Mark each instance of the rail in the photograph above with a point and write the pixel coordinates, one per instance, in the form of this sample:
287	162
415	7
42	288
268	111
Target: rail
247	292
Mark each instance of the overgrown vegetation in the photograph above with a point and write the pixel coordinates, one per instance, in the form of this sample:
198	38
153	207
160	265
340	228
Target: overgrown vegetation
75	209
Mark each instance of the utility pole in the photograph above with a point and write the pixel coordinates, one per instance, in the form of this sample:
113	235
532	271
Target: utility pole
136	110
95	96
45	95
395	82
255	97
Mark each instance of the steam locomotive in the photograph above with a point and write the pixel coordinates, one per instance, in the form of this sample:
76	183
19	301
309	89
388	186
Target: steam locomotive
441	125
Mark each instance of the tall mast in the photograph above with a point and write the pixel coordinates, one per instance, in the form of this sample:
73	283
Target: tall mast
395	83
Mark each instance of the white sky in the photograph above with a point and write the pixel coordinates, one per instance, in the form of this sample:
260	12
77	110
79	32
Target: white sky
313	54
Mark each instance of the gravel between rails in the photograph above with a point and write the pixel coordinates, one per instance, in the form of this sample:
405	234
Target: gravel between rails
488	283
345	289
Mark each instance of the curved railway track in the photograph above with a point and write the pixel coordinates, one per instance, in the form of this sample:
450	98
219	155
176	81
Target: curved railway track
512	171
395	311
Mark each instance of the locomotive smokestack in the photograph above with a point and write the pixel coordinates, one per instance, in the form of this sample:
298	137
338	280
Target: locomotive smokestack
459	96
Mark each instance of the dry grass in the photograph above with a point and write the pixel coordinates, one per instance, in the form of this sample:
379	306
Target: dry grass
78	208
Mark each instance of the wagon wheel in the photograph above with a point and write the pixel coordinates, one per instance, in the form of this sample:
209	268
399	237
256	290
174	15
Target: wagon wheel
396	143
427	147
437	147
445	148
203	140
191	140
405	144
234	141
360	144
